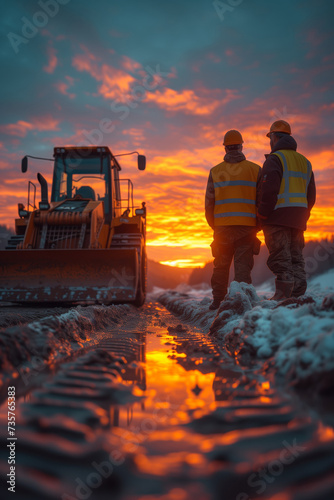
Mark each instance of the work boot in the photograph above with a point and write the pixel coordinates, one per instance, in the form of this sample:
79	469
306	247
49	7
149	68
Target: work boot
215	304
283	290
299	291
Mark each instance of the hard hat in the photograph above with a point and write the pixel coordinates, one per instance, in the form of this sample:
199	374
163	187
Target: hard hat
280	126
232	137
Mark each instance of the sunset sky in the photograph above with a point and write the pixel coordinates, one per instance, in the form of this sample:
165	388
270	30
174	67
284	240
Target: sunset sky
168	79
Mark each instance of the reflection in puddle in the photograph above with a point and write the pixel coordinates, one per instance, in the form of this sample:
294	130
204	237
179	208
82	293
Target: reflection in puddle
172	393
194	423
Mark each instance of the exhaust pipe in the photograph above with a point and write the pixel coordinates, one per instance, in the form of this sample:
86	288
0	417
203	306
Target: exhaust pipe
44	203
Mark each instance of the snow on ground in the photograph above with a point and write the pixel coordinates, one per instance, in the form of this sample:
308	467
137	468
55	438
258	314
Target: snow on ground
323	281
296	336
25	350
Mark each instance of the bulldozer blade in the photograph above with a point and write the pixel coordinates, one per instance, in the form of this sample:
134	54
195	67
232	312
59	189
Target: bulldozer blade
100	276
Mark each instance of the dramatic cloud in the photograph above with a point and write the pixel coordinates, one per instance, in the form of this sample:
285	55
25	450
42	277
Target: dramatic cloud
115	82
186	101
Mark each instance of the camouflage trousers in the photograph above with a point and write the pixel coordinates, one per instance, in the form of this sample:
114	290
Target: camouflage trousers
286	259
240	243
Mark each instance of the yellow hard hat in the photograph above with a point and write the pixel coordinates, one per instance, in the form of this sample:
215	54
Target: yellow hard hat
232	137
280	126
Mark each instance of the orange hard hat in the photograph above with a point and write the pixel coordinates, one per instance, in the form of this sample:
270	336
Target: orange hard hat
280	126
232	137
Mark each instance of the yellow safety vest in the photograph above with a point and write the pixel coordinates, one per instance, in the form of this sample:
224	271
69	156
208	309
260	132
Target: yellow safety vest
297	171
235	193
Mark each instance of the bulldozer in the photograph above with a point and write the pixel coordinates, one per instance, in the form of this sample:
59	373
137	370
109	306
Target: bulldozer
87	245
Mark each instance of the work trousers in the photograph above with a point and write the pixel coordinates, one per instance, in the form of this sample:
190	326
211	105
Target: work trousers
286	259
232	241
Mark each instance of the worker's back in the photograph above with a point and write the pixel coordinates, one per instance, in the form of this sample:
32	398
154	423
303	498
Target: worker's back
230	210
235	193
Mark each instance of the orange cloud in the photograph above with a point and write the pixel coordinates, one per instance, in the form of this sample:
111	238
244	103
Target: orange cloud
174	192
322	161
116	83
327	107
188	101
85	61
53	61
21	128
229	52
136	134
129	64
63	87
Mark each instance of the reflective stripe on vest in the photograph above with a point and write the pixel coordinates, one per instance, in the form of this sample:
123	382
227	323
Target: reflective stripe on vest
235	193
234	183
297	171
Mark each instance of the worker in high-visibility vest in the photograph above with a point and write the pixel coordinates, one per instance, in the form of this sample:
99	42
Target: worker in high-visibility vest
230	210
287	197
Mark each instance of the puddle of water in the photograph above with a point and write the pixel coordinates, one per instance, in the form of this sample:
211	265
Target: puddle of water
172	393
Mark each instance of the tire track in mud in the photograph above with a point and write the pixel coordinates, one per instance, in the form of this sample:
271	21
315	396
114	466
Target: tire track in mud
14	315
28	351
62	427
100	428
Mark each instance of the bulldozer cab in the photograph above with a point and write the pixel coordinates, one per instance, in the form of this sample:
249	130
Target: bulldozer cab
87	174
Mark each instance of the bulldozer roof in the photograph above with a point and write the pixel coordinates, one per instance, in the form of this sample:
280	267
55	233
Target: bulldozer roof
85	152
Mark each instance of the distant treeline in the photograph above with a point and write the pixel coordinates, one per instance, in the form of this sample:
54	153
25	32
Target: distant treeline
159	275
319	257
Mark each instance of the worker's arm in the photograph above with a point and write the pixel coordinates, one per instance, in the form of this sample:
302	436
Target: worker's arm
272	174
311	193
258	199
210	202
258	187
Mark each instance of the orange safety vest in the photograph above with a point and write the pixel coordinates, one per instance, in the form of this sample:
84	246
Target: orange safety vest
297	171
235	193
